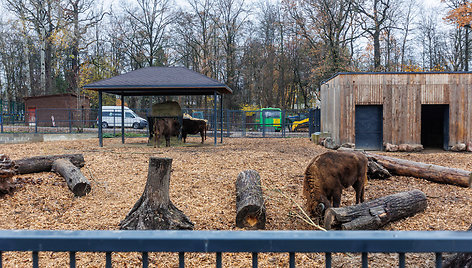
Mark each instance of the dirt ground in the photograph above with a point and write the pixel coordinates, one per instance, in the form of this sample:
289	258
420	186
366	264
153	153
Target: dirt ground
202	186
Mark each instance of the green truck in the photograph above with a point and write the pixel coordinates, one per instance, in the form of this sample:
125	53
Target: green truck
269	118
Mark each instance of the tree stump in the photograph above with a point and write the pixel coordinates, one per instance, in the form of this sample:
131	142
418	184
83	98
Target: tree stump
420	170
8	169
76	181
154	210
44	163
376	213
250	209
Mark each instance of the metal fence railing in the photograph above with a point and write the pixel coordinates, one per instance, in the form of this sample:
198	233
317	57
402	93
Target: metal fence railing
255	242
236	123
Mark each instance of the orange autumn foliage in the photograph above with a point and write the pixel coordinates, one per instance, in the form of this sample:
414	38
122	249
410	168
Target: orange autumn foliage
461	15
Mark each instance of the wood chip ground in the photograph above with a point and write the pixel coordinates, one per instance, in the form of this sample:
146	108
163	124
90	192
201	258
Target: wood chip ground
202	185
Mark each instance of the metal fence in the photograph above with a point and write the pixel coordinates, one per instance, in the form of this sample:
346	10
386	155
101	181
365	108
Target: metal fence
236	123
218	242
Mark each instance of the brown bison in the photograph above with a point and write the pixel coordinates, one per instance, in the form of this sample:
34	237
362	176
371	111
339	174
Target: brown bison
194	126
159	127
328	174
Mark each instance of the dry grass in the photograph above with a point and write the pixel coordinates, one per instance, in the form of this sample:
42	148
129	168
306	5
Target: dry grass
202	185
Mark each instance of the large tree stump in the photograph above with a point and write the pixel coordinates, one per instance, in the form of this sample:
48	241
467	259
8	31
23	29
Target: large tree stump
154	210
376	213
250	209
429	172
463	259
8	169
44	163
76	181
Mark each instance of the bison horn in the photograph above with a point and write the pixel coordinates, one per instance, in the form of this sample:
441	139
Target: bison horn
321	206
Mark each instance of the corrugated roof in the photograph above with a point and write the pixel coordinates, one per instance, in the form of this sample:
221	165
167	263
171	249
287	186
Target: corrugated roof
160	81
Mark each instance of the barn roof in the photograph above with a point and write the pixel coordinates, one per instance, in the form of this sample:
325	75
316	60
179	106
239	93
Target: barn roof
380	73
160	81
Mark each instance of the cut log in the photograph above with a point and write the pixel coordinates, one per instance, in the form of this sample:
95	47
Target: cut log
44	163
429	172
76	181
376	171
458	259
8	169
250	209
154	210
376	213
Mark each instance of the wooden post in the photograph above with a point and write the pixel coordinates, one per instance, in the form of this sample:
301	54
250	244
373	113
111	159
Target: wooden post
76	181
44	163
154	210
250	209
376	213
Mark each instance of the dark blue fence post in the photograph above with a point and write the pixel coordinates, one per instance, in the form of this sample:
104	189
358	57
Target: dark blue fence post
35	121
227	121
263	124
244	124
70	121
283	123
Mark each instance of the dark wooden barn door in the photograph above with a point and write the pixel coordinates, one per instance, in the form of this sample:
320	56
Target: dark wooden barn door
369	127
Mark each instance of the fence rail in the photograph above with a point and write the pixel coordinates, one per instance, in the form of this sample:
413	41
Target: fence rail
254	242
236	123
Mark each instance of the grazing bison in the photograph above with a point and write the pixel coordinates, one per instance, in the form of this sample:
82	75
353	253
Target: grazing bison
328	174
159	127
194	126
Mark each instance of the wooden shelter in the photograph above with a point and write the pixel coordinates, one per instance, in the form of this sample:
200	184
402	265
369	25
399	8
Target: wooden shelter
160	81
373	109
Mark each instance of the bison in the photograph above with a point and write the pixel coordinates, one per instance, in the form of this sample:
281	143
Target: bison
159	127
328	174
194	126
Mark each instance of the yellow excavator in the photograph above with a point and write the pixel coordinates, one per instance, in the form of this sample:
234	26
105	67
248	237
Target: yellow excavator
299	125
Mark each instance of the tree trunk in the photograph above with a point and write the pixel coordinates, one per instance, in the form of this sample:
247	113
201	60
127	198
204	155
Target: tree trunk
376	213
154	210
76	181
420	170
459	259
8	169
44	163
250	209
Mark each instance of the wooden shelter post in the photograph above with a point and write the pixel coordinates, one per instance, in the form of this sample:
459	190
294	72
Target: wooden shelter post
100	136
221	117
215	113
122	119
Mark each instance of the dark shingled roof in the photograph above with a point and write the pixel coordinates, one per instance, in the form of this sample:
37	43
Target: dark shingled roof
160	81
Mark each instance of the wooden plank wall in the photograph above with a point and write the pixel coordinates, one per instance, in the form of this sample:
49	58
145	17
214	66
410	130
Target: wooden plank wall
401	95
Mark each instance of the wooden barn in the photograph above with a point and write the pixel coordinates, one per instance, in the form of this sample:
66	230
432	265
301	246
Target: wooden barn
375	109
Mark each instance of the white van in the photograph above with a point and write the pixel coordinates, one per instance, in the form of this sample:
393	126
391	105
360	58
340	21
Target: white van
111	117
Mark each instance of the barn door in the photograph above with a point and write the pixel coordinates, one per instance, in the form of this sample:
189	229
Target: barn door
435	126
369	127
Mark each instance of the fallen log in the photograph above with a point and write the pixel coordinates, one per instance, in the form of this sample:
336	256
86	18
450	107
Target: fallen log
44	163
420	170
376	213
250	209
154	210
76	181
8	169
376	171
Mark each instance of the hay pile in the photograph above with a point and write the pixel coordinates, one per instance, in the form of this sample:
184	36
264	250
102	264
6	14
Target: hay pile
202	185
